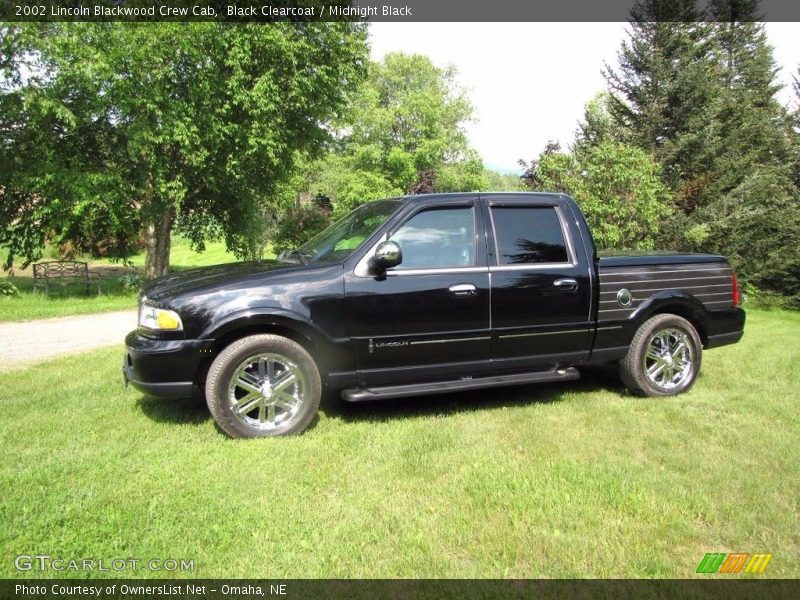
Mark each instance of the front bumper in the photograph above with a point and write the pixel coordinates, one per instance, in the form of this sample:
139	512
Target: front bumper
164	368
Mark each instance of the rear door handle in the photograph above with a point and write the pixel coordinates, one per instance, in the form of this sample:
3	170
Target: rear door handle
463	289
566	284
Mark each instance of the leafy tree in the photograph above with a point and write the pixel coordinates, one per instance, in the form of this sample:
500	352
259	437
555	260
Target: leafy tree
662	92
598	124
757	225
700	97
349	179
129	130
403	133
796	86
796	131
467	174
502	182
551	178
617	185
413	114
754	128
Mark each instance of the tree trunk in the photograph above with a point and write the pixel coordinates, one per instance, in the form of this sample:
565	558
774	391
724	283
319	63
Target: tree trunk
157	245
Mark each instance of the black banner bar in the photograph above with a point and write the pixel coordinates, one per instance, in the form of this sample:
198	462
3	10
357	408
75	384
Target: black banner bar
365	10
406	589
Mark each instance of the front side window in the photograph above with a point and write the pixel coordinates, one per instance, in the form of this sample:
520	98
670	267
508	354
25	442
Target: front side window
528	235
437	238
341	239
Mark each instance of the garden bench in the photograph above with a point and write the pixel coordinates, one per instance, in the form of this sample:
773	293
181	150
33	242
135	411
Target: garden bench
61	272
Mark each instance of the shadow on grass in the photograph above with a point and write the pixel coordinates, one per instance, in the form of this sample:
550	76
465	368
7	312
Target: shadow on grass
180	411
592	380
193	411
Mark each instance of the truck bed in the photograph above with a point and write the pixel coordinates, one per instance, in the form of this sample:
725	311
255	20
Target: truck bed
706	277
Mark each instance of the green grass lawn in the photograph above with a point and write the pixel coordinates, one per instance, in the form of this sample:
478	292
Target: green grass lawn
106	291
572	480
183	257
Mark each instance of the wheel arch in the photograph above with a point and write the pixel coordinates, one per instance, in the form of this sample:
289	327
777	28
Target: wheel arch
676	302
241	325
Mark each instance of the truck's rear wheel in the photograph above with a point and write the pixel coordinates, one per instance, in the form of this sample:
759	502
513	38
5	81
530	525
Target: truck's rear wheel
263	385
664	357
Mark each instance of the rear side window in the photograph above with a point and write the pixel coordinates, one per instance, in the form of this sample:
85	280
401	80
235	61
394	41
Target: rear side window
528	235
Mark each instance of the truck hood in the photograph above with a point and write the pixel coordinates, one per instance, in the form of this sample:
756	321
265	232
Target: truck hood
207	278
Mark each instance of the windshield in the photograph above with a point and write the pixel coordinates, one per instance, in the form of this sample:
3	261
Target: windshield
342	238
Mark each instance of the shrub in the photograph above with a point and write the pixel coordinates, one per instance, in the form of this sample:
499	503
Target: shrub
757	226
131	281
8	289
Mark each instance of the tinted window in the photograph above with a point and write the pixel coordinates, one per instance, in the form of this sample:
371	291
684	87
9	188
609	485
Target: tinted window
437	238
528	234
338	241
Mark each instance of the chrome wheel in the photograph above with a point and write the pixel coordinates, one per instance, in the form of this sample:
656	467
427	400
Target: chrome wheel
669	360
267	391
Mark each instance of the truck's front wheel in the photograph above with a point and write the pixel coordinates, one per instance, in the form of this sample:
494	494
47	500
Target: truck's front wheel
664	357
263	385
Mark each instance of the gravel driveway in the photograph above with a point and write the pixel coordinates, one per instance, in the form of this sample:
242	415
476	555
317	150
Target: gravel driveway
32	341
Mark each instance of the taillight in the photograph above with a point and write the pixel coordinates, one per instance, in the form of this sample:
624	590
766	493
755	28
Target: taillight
735	283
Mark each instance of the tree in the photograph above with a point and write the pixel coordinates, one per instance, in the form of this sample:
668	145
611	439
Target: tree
502	182
700	97
796	130
797	84
662	93
598	124
757	226
558	165
130	130
617	185
754	128
403	133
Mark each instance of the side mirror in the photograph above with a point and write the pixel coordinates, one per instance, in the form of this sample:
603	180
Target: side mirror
387	255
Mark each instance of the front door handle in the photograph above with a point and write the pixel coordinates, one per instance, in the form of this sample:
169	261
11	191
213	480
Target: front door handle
463	289
566	284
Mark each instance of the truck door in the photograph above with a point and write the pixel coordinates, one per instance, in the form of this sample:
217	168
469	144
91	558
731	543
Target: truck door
428	318
541	284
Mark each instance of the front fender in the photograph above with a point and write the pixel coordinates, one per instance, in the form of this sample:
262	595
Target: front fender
331	354
257	317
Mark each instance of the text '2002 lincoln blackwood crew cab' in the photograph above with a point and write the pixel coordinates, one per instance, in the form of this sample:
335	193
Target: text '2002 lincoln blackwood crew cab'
428	294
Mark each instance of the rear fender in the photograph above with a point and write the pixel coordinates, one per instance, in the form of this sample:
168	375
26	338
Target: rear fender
676	302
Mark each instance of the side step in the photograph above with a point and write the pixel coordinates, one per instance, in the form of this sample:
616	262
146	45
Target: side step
459	385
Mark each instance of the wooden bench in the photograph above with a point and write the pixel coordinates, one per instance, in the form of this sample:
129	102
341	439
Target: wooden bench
60	272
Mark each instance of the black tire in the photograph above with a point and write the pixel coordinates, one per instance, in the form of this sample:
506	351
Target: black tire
657	335
258	361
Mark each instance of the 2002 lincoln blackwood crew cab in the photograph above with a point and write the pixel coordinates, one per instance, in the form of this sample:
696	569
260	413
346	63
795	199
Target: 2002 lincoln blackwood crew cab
428	294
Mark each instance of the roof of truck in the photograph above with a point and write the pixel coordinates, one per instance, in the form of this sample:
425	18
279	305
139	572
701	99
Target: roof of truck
460	195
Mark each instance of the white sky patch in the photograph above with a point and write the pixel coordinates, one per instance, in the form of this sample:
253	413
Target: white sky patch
529	82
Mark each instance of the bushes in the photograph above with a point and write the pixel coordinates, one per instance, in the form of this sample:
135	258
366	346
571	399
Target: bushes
8	289
618	189
132	281
757	226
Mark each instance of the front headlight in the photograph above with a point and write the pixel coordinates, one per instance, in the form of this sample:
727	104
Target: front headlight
159	319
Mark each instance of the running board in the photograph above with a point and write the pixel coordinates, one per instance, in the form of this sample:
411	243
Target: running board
459	385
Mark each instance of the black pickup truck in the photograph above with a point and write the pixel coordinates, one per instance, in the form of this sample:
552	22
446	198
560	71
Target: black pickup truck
422	295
